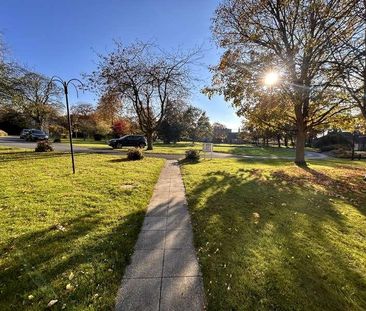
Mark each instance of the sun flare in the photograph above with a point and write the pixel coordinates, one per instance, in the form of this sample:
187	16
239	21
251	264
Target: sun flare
271	78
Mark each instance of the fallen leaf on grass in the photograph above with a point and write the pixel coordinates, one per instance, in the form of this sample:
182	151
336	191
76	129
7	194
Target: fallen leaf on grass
71	276
52	302
255	217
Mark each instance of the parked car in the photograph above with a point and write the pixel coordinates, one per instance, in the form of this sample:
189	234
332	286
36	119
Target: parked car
34	135
128	141
24	133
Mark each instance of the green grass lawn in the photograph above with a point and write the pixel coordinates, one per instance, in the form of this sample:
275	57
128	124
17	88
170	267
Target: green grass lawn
68	237
178	148
88	143
272	236
251	150
182	147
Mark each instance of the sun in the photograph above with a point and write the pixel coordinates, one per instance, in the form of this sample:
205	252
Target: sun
271	78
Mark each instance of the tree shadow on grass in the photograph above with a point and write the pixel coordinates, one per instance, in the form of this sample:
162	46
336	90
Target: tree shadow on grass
118	160
25	156
261	150
349	186
39	263
266	243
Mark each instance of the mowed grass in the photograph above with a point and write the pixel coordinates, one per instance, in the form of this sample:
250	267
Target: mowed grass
251	150
273	236
68	237
244	149
178	148
88	143
182	147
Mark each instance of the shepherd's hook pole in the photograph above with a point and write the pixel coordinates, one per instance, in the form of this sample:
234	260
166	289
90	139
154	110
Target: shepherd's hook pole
69	123
65	85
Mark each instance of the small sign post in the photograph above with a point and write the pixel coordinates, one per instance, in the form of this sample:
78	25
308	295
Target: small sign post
207	147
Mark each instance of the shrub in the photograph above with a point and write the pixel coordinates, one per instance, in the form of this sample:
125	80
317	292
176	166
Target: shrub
333	139
3	133
134	154
57	139
98	137
43	146
192	155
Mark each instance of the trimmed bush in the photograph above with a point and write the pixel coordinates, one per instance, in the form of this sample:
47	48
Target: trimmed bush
43	146
3	133
135	154
192	155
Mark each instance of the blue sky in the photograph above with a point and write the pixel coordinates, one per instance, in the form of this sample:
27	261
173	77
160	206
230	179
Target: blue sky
61	37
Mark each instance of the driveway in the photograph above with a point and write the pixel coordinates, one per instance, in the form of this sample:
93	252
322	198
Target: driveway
14	141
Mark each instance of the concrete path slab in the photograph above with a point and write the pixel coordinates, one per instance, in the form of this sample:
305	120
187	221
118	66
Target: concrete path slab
139	294
182	294
164	273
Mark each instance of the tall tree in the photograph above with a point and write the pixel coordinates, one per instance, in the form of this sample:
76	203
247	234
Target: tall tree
83	119
197	124
172	126
351	61
219	132
145	78
109	107
37	98
9	75
298	37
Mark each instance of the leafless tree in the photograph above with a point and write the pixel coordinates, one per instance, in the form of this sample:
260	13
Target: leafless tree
37	98
146	78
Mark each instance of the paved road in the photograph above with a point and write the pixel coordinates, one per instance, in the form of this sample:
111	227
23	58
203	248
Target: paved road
14	141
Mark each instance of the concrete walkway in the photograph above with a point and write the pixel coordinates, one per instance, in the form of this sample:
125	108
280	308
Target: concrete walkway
164	273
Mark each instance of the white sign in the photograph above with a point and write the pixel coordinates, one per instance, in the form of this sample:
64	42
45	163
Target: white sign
207	147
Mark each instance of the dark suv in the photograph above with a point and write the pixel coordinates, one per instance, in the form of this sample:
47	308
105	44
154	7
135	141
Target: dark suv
34	135
128	141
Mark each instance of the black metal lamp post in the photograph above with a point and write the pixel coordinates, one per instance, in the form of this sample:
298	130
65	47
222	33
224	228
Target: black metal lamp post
65	85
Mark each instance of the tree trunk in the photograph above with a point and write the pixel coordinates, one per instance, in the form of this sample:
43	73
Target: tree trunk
149	138
300	147
279	141
286	141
